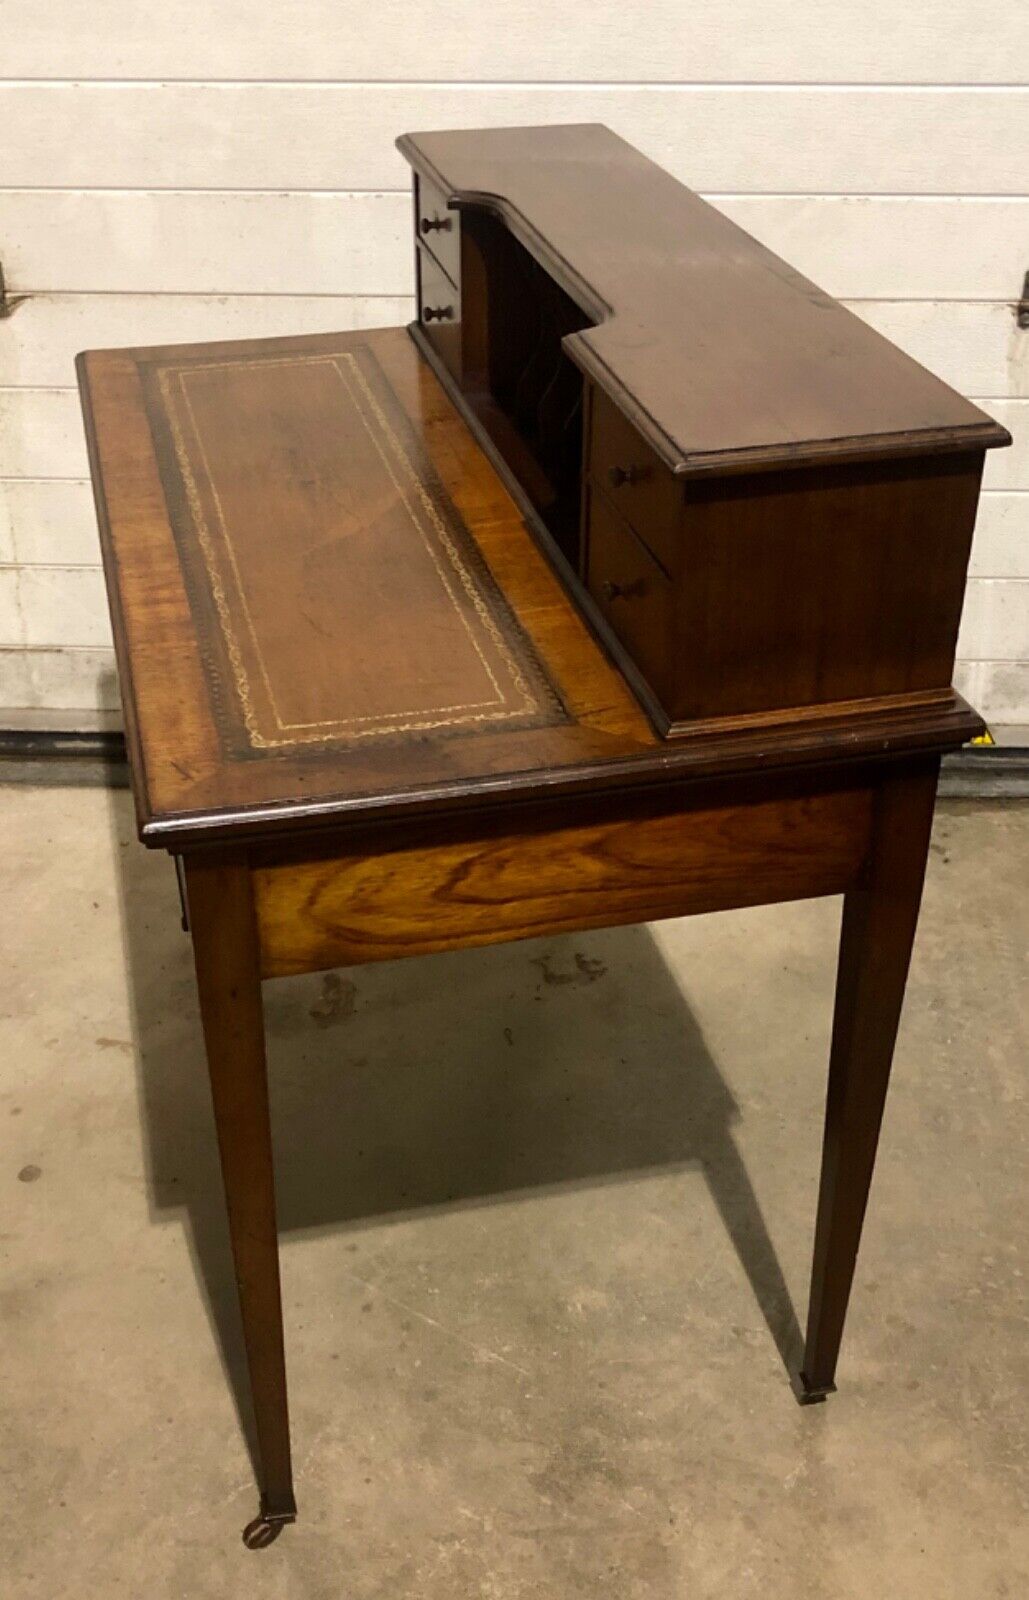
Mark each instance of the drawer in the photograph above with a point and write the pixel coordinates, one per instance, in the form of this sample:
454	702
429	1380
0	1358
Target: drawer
632	592
438	228
439	311
629	474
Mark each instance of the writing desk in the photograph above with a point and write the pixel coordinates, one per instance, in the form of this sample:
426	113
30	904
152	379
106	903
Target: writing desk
379	696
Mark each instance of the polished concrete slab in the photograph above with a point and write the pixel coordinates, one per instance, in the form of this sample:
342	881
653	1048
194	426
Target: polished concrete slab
546	1216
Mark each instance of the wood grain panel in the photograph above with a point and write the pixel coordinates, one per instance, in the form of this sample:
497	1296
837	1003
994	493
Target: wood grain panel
831	580
741	139
814	40
514	885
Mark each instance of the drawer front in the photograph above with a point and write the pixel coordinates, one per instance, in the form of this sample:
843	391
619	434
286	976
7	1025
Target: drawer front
439	229
633	593
638	485
439	311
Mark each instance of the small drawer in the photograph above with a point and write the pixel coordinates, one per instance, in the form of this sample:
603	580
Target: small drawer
633	593
438	228
439	311
629	474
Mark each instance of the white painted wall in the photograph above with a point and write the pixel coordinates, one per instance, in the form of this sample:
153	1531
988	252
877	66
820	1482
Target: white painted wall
194	171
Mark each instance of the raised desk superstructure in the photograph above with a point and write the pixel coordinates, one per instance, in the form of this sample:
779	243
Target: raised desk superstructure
764	507
628	587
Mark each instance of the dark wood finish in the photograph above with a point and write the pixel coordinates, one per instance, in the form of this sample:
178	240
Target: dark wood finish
634	594
721	354
402	625
439	311
624	469
879	920
228	968
439	228
822	590
824	585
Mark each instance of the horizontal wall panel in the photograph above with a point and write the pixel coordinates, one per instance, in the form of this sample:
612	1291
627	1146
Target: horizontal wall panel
341	136
976	346
41	341
143	242
48	521
41	434
15	682
58	680
1009	468
1001	545
815	40
999	691
12	631
61	606
995	620
342	244
895	249
1002	691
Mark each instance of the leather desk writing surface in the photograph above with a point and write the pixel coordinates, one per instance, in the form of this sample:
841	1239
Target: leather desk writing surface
325	601
321	589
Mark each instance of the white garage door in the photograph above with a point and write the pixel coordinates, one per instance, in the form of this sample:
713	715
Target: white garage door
196	171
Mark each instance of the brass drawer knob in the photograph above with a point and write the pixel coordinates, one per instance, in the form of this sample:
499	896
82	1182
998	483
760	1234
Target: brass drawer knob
436	224
438	313
616	476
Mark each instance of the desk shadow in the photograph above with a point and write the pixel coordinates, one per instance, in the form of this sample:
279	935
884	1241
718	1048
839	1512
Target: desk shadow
446	1081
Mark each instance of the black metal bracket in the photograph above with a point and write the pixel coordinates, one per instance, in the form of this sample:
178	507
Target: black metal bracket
9	303
1022	308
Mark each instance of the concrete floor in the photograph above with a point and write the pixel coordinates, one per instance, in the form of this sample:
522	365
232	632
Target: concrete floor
545	1209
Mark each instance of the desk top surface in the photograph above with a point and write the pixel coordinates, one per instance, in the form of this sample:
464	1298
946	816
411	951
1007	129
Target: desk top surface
327	608
721	353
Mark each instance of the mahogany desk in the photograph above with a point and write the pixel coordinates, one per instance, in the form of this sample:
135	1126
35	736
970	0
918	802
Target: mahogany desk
402	673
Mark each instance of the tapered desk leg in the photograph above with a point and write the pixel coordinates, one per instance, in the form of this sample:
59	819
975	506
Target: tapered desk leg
879	919
225	948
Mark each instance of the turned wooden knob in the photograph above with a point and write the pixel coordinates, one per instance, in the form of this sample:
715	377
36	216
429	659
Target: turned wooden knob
436	224
611	591
616	476
437	313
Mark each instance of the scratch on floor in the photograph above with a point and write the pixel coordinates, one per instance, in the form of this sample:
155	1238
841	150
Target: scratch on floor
483	1352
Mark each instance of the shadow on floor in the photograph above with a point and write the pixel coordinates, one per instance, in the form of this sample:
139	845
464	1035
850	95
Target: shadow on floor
444	1081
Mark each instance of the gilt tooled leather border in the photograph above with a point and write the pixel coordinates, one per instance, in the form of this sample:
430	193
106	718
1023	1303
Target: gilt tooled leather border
243	705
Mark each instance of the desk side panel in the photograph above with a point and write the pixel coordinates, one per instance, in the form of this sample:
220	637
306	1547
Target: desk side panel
500	885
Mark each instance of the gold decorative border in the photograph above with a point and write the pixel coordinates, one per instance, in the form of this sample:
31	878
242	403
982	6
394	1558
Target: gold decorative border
172	385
